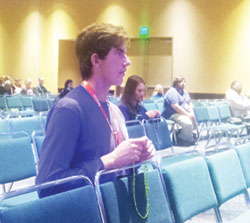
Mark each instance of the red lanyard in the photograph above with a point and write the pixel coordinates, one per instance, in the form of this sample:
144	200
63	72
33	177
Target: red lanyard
115	132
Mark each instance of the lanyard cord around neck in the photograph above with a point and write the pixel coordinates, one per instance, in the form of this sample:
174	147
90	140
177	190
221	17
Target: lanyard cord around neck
118	139
115	130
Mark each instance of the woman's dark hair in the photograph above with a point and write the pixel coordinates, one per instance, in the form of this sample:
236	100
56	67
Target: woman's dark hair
67	82
128	97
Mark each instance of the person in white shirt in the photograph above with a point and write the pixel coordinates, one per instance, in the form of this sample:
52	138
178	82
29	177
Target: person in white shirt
239	104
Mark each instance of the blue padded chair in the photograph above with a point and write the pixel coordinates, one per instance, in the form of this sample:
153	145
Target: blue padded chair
16	160
228	178
114	100
243	152
201	115
37	141
160	105
14	102
40	104
3	105
215	117
43	119
4	126
74	206
27	102
15	107
4	129
210	121
190	189
135	129
149	105
119	197
157	131
26	124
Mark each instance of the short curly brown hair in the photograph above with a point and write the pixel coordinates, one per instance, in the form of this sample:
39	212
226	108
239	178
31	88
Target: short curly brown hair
99	39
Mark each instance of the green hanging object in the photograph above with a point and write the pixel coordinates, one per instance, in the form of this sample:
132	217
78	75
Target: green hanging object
146	193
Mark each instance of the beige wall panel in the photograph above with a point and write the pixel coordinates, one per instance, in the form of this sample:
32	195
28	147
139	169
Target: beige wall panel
211	43
67	63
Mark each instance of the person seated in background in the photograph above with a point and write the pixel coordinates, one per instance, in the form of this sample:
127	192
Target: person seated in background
17	86
131	99
28	90
1	86
40	89
178	107
239	104
8	88
158	93
68	86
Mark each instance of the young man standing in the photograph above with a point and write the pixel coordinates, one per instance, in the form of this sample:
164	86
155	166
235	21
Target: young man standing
85	133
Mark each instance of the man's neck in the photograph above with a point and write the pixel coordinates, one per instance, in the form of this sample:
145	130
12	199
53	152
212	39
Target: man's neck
100	88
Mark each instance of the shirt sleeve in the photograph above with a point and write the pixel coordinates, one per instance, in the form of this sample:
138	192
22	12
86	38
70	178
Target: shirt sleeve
172	97
59	147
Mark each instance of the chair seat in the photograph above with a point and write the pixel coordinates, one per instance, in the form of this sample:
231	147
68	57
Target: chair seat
11	202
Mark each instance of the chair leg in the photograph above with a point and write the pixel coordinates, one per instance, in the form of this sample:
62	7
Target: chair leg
4	188
218	215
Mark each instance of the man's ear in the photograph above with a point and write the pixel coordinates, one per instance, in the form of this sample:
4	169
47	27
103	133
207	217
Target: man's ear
95	60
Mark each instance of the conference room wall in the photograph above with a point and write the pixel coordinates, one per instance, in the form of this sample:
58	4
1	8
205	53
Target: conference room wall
210	38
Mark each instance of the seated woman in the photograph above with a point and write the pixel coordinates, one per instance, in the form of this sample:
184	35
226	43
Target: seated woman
68	86
132	97
158	93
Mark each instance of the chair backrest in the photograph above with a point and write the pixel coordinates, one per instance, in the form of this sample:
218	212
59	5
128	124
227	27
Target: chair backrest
4	129
119	202
16	160
135	129
226	174
201	114
43	119
213	113
14	102
27	102
3	105
40	104
26	124
158	132
224	111
4	126
74	206
114	100
243	152
149	105
190	188
160	105
37	140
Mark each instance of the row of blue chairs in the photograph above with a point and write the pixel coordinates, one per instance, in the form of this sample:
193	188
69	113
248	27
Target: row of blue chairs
198	185
215	121
177	191
10	127
17	105
24	205
147	103
155	129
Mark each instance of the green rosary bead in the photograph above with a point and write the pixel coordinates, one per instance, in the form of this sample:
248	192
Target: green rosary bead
146	192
